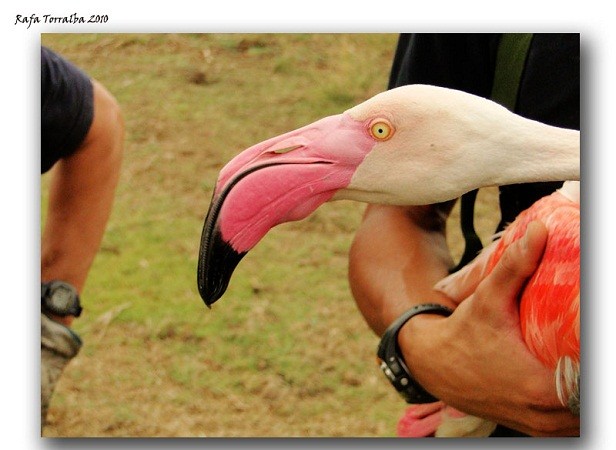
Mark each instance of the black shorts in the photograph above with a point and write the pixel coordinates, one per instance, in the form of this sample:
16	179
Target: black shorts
67	108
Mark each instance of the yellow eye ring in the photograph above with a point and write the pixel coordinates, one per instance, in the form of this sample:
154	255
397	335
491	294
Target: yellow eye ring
381	129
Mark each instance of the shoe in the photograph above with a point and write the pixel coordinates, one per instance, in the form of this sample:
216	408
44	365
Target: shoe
59	344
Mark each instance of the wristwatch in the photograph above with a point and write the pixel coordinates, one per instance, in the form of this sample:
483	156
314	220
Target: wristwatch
60	298
392	363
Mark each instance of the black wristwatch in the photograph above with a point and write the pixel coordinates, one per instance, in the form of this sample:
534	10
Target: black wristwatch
392	363
60	298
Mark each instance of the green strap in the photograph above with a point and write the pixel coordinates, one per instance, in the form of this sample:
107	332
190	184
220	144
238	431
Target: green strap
510	61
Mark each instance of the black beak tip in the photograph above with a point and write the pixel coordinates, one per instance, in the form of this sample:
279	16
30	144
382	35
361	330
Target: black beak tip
217	261
211	292
217	258
207	298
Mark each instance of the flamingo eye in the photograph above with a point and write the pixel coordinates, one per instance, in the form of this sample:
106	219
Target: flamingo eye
381	130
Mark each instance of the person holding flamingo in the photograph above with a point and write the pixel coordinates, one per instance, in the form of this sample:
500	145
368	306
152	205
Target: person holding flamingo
474	359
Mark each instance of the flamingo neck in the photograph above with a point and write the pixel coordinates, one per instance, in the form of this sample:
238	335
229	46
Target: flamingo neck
536	152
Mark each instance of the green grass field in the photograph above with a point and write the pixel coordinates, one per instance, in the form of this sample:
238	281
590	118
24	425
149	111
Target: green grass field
285	352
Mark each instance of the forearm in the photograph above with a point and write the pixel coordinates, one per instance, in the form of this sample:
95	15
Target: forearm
76	219
397	256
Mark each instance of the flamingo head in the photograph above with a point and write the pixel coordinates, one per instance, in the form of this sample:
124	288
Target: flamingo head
411	145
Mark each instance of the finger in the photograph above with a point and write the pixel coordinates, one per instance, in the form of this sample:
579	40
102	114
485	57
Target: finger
518	263
556	423
418	411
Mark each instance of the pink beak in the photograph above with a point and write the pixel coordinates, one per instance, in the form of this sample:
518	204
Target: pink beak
279	180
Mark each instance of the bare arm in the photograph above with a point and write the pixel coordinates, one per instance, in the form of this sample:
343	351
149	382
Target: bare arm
466	359
396	258
81	196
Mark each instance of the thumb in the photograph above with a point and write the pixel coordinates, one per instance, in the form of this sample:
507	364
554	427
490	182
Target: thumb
517	264
461	284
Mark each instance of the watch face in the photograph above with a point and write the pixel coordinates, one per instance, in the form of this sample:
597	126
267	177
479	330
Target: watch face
62	298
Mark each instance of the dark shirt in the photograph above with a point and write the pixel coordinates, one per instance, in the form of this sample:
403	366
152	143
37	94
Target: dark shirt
67	108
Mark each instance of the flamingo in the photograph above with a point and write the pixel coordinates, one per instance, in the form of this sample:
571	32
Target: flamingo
413	145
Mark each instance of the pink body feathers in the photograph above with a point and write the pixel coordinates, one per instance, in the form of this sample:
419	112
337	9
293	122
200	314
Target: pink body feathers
550	303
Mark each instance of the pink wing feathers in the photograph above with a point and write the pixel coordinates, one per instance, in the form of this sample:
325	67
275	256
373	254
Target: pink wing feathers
549	305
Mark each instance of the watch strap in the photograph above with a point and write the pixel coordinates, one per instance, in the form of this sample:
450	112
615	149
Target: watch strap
392	362
47	307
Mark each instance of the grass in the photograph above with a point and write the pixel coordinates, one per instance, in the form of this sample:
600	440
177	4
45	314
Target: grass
285	352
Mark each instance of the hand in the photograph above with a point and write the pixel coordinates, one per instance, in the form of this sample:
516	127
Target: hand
476	360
